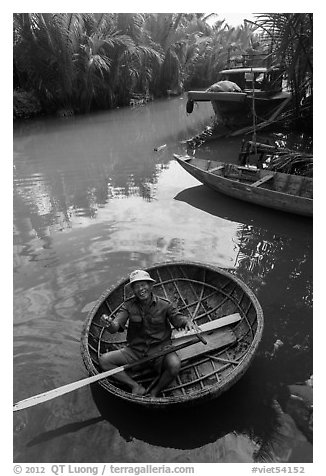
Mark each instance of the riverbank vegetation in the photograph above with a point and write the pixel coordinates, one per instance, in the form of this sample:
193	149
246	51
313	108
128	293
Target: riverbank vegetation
76	63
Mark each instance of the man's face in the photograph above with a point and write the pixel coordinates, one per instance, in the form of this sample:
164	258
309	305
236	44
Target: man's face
142	290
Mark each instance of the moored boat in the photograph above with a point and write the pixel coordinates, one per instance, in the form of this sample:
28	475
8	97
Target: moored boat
232	97
211	297
286	192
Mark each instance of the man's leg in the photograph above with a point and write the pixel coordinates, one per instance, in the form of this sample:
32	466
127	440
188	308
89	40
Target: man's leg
170	369
117	358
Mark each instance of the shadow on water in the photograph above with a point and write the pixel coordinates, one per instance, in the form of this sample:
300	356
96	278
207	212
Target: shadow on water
249	408
229	208
240	409
63	430
245	408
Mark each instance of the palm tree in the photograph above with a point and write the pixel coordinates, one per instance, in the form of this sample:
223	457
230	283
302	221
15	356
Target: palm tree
168	31
290	35
138	61
81	60
98	60
95	62
43	53
218	48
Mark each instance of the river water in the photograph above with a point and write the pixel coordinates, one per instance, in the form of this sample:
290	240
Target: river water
93	200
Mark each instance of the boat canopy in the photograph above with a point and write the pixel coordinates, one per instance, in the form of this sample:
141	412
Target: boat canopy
265	79
247	70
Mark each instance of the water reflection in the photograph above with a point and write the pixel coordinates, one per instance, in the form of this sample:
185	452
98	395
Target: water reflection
220	417
274	257
160	230
61	173
92	201
231	433
244	425
261	236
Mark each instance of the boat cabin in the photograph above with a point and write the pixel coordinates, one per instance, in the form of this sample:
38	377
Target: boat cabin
265	80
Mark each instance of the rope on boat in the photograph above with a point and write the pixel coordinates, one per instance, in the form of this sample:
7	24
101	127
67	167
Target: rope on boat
254	117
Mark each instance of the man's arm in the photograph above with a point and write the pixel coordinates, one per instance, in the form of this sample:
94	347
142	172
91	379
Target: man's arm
117	324
177	319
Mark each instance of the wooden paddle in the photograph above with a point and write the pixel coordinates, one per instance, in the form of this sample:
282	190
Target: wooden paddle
70	387
208	326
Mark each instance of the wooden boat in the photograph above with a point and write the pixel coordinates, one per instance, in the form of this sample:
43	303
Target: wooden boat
233	105
205	293
286	192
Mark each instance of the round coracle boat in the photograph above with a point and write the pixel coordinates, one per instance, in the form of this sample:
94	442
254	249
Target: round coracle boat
229	317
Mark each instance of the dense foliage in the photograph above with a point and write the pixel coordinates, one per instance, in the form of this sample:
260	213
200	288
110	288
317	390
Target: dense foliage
90	61
291	38
86	61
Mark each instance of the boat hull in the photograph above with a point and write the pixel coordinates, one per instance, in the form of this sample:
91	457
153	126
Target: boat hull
291	203
225	97
206	294
235	108
240	113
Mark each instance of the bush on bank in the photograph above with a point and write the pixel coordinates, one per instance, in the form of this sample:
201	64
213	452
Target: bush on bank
25	105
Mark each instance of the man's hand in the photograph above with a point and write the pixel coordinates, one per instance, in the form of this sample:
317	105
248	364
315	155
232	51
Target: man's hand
191	326
106	320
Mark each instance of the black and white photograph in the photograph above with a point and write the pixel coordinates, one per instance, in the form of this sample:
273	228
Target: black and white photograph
162	187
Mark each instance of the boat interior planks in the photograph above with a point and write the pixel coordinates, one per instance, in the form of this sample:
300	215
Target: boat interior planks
262	180
205	294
